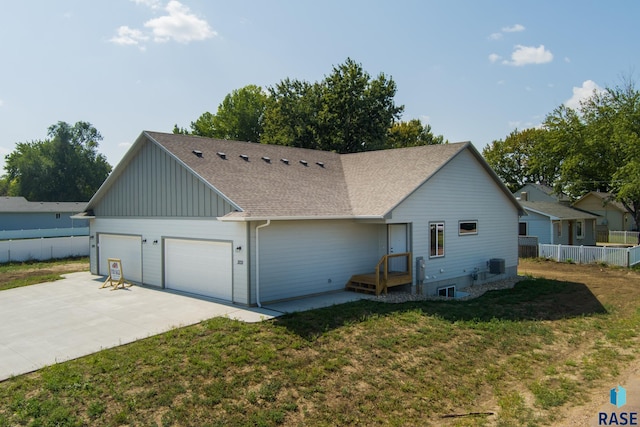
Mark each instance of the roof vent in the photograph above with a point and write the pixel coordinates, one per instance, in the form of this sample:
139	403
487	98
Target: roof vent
320	164
304	162
198	153
266	159
222	155
285	161
244	157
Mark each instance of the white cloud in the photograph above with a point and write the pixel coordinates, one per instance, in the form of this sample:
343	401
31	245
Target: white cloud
588	88
153	4
128	36
525	55
494	57
513	29
179	25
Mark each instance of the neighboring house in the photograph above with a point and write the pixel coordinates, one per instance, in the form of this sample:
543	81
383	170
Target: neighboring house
612	216
20	218
252	223
554	223
540	193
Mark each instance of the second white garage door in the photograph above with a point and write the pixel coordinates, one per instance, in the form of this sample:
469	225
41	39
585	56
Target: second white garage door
200	267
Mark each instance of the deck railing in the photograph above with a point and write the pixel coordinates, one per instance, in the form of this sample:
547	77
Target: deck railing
384	277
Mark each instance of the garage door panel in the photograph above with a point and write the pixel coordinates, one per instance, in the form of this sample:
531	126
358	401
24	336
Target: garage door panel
124	247
200	267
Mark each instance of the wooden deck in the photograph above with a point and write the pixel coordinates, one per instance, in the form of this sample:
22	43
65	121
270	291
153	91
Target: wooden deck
382	279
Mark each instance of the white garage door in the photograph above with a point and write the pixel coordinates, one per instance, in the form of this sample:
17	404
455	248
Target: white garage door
126	248
199	267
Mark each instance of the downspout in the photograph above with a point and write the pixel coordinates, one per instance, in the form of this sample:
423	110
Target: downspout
266	224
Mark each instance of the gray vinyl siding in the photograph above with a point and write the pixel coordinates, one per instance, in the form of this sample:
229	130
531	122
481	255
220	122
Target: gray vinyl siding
300	258
539	226
158	229
155	184
462	191
35	220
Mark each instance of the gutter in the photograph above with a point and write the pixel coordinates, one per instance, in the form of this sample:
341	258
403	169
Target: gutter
258	261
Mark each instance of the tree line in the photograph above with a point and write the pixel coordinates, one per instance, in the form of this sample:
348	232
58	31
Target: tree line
348	111
595	147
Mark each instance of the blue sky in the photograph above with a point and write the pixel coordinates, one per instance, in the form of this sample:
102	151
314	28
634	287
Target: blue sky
473	70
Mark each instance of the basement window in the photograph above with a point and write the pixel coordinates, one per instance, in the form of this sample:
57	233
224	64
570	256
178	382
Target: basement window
447	291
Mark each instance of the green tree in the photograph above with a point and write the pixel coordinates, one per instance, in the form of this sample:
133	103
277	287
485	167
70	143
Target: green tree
64	167
239	117
523	157
600	145
347	112
291	114
411	134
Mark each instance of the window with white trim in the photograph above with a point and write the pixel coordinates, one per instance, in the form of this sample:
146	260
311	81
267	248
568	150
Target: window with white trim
447	291
436	239
522	229
580	229
467	228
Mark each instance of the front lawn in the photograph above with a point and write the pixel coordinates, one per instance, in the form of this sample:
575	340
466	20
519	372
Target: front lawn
509	358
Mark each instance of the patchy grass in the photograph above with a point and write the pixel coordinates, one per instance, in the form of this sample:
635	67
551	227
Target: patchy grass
17	274
510	358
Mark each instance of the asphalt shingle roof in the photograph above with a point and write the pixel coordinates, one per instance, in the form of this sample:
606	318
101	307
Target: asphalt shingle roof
556	210
311	183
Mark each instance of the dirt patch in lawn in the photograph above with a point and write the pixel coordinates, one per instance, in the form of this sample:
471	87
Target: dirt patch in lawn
617	288
25	272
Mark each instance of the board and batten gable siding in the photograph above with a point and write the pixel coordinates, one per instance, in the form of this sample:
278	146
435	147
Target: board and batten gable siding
155	184
461	191
159	229
300	258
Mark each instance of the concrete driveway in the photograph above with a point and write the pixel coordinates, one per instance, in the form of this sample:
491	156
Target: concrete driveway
52	322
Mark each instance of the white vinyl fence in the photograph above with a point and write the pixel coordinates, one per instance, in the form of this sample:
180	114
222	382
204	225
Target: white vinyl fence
624	237
624	257
43	249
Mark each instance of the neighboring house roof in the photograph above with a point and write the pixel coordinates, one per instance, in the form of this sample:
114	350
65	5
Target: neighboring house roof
311	183
545	189
22	205
556	211
607	199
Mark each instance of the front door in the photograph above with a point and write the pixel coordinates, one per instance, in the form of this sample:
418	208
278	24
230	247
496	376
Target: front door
398	243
